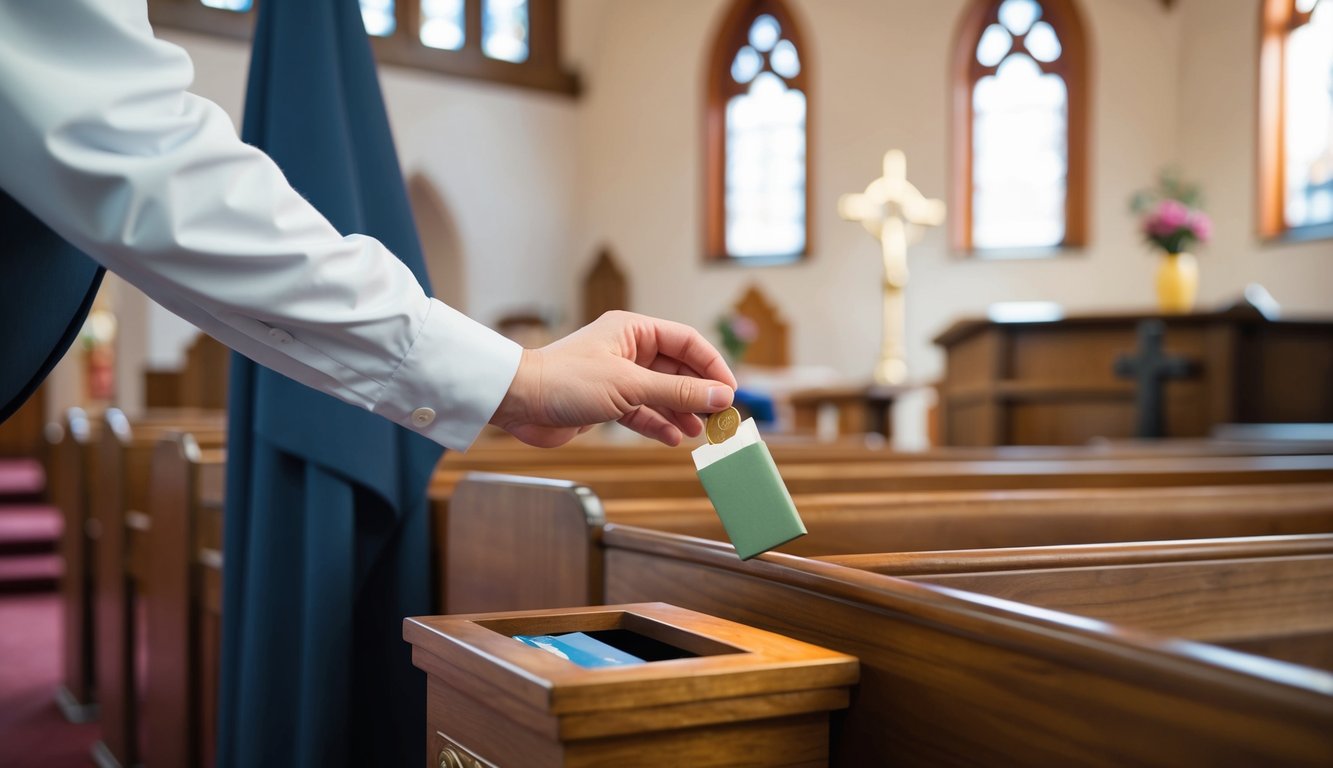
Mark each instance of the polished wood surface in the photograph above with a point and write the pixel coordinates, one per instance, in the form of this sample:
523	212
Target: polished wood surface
741	696
858	410
770	347
998	559
681	481
1219	601
605	287
68	471
507	454
566	564
119	508
180	679
1054	382
201	383
21	433
563	570
551	530
949	677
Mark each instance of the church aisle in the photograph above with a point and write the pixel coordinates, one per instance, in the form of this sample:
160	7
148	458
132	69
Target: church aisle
33	733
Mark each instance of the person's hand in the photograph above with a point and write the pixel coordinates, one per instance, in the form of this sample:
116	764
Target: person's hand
650	375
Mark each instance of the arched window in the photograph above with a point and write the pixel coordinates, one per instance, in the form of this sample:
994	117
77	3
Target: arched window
757	167
1296	119
1020	126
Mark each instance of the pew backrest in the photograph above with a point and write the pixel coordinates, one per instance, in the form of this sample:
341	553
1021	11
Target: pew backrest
950	676
512	543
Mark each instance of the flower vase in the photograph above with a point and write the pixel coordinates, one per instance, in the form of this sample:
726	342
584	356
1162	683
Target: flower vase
1177	282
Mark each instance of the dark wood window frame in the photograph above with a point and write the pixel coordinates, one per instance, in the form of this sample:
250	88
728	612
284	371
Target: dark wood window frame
541	71
1278	19
719	88
1072	66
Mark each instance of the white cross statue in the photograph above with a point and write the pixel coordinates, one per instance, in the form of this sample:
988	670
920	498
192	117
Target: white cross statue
895	212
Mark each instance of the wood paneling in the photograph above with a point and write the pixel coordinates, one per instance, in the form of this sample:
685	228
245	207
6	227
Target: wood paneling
21	433
1054	383
605	287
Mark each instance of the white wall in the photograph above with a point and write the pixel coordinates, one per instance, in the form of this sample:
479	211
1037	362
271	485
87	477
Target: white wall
1168	87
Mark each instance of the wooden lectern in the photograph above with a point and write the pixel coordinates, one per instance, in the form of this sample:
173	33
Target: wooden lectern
1056	383
710	693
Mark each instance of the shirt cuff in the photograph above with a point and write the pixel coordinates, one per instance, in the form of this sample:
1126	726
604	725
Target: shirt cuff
451	381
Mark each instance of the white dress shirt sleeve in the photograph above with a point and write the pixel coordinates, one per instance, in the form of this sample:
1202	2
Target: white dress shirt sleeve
102	142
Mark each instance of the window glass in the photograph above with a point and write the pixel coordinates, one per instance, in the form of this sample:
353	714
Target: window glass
1309	120
765	148
504	29
442	24
378	17
1019	134
1018	157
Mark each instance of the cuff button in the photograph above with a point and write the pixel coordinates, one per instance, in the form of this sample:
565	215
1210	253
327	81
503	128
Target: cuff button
422	417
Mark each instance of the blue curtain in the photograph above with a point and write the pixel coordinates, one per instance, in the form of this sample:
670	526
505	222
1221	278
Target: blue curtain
47	287
326	528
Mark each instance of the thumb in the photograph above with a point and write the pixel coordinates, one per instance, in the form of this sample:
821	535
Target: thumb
684	394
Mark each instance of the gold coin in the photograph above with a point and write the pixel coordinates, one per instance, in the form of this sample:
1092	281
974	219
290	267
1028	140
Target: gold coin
722	425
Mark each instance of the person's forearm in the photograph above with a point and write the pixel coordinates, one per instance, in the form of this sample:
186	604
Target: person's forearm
105	145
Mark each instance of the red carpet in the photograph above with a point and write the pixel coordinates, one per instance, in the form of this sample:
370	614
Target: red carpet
33	733
21	480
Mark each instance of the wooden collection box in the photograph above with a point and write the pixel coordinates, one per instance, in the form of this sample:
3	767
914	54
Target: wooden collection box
711	693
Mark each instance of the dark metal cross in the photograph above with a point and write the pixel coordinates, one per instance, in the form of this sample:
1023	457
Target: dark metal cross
1150	368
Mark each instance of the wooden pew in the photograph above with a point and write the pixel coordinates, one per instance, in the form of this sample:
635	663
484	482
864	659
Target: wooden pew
542	536
914	521
123	525
1275	601
183	601
507	455
949	676
71	442
200	383
680	480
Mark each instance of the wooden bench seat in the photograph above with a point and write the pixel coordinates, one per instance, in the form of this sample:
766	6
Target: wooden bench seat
680	480
183	601
1270	595
71	442
924	565
507	455
534	527
950	676
123	525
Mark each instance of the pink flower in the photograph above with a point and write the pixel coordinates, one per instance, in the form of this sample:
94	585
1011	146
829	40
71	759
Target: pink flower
744	328
1167	217
1201	226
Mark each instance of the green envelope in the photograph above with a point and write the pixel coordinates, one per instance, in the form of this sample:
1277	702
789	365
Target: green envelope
752	501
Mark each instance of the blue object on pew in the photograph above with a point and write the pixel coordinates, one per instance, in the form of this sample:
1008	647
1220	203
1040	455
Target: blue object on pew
758	405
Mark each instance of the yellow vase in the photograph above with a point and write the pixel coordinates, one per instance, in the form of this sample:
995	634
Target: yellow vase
1177	282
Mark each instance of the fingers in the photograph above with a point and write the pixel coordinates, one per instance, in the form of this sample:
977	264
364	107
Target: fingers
682	394
664	364
650	423
683	343
687	423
